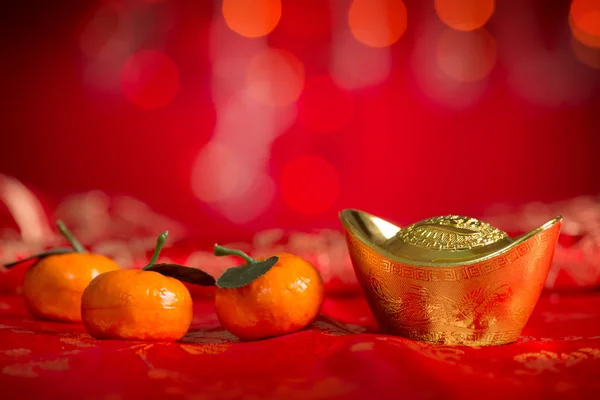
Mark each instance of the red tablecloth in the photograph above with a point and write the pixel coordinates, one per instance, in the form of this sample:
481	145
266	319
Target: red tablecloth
341	356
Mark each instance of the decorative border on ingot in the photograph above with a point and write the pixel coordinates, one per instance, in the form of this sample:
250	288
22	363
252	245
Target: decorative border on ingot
453	274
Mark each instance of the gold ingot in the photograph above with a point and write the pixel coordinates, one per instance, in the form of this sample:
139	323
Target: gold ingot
451	280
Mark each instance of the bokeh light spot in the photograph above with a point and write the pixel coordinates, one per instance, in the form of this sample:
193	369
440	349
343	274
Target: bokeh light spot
275	77
215	174
466	56
309	184
252	202
586	15
356	66
465	15
582	36
323	107
584	20
377	23
587	55
150	79
252	18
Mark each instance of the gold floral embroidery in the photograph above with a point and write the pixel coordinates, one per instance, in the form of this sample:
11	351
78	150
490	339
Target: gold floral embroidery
17	352
448	355
207	348
23	331
60	364
158	373
20	370
444	354
82	340
548	361
364	346
196	342
141	350
26	370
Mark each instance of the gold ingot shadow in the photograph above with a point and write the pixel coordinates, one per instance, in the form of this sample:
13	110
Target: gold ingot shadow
449	280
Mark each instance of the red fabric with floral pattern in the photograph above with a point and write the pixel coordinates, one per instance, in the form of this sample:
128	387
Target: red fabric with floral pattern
341	356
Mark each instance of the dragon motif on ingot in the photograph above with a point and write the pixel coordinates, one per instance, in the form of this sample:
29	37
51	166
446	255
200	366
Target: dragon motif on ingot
449	280
420	308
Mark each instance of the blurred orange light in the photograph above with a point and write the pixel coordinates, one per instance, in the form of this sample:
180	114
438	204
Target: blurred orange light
466	56
275	77
589	56
252	18
584	19
465	15
150	79
582	36
586	15
377	23
309	184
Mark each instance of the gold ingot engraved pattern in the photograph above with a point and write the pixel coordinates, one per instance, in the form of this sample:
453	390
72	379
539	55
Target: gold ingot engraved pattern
484	300
451	232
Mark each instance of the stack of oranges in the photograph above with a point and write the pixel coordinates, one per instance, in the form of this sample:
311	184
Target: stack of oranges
262	298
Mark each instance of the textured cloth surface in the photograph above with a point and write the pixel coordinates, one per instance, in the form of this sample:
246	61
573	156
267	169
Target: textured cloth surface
341	356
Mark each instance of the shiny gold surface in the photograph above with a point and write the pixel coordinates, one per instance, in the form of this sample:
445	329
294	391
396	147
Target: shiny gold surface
449	238
451	280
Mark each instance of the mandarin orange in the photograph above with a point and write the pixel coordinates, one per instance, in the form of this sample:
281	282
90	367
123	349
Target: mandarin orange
137	304
54	283
53	287
285	299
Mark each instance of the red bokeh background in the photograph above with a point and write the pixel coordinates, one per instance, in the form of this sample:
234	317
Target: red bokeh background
256	121
394	147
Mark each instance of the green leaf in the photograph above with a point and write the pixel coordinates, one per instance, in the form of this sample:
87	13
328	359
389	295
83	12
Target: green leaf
39	256
243	275
184	274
